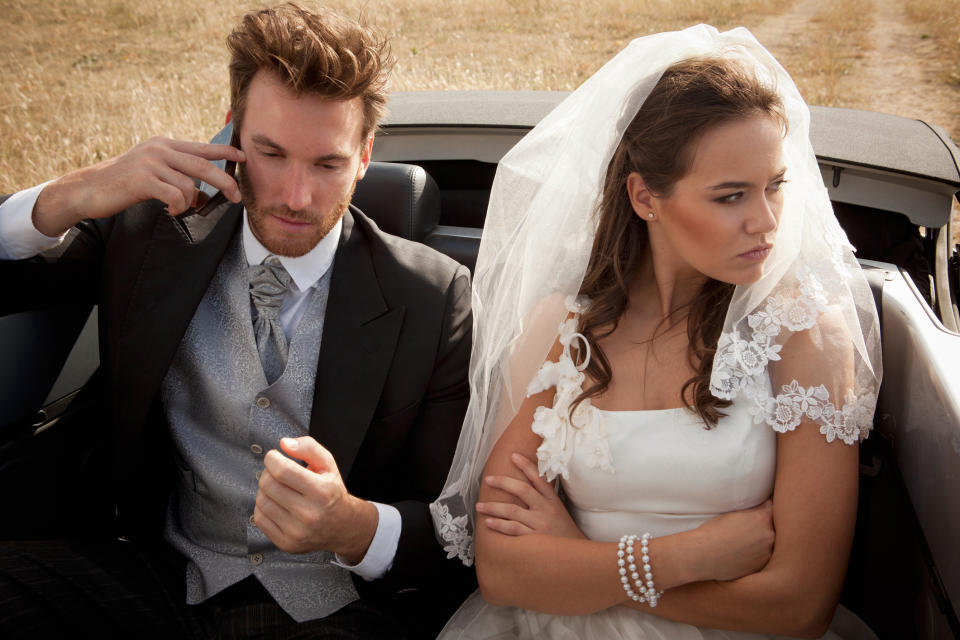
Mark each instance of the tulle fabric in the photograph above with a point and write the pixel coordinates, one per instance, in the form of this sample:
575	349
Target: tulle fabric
812	303
477	620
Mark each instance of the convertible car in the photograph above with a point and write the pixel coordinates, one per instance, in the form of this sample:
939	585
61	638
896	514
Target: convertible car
892	182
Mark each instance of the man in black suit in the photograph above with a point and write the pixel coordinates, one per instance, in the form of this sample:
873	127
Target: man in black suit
276	446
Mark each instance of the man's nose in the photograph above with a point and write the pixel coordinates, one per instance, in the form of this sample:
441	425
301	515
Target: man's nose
296	188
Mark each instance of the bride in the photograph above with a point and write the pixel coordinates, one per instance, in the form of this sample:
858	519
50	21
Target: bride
675	359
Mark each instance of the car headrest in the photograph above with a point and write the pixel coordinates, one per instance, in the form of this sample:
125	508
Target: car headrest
401	198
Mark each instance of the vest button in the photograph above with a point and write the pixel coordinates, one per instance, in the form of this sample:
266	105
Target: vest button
256	558
257	449
263	402
251	521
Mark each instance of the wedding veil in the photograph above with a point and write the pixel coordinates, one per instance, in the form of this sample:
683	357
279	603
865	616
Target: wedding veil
537	239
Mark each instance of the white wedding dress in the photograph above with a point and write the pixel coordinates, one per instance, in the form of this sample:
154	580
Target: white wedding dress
632	472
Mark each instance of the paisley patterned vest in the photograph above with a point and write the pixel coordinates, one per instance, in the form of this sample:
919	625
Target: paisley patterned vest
223	418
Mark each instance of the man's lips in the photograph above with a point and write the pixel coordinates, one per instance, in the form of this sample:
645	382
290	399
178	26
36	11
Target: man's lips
291	222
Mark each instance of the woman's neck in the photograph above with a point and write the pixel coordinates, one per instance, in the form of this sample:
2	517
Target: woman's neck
663	280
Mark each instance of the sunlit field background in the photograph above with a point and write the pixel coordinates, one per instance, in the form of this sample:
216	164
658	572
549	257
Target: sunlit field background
86	79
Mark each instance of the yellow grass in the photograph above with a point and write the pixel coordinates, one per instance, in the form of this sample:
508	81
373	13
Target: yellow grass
86	79
942	21
832	48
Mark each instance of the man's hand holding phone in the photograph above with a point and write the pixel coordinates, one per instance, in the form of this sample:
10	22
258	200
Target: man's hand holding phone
158	168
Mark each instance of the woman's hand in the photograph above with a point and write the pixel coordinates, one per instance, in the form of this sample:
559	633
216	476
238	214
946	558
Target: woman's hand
544	511
734	544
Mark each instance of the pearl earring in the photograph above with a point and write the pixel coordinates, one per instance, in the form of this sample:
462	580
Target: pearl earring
650	215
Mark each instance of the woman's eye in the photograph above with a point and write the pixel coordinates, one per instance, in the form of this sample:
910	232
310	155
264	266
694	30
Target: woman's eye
729	198
776	185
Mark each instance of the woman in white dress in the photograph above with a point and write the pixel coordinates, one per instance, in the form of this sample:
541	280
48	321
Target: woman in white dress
673	333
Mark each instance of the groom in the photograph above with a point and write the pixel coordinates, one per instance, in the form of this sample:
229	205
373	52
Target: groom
285	383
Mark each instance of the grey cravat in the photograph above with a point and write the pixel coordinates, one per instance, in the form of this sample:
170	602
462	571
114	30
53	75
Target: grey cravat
268	284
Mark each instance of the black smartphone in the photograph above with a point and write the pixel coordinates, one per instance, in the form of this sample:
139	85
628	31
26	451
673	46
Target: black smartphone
208	197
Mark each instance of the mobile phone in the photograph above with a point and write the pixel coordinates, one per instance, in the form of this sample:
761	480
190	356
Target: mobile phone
208	197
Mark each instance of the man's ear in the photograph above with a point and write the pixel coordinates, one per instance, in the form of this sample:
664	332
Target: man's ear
365	155
641	198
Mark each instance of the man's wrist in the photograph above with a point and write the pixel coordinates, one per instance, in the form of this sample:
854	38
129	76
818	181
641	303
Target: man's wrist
381	550
52	212
362	531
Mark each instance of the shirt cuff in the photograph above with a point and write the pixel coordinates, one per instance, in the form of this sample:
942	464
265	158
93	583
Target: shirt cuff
19	239
383	548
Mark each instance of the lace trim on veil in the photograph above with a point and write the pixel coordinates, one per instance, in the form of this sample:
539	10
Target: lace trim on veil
739	365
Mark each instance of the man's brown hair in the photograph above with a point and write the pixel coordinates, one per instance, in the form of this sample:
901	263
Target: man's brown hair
311	52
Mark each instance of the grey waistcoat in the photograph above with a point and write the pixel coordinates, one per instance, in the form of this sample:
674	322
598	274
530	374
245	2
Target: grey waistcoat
223	419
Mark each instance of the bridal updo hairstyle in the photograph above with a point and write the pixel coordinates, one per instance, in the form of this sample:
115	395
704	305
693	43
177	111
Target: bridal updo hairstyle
691	97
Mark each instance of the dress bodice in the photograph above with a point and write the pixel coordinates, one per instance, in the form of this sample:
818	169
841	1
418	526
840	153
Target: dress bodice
660	471
670	473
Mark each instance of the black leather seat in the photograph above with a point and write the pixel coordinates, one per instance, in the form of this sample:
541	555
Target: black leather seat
404	200
401	198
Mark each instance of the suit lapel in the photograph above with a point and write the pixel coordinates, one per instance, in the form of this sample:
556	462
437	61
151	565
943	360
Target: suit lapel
359	338
176	270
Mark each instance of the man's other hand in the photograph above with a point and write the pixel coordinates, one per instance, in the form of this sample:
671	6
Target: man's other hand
158	168
309	509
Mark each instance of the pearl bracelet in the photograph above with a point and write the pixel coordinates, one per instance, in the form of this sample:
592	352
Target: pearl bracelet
627	568
625	561
648	590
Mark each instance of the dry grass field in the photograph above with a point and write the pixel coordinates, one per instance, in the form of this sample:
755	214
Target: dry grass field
86	79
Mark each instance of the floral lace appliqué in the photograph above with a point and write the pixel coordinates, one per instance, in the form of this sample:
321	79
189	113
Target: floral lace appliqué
455	531
739	363
562	433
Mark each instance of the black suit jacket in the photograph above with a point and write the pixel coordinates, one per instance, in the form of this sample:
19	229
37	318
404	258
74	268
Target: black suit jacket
391	385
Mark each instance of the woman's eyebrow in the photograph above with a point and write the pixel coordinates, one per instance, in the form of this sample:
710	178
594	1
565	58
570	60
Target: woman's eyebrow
734	184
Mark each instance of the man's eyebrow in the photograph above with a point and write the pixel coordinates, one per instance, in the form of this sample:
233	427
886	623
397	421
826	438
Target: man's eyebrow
743	185
259	138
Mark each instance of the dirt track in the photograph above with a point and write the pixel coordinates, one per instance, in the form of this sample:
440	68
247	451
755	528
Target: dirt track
897	73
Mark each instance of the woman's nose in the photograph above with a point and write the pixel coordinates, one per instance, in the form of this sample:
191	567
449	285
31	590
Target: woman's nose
763	218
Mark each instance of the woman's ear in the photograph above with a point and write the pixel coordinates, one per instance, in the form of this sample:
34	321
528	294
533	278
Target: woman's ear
641	199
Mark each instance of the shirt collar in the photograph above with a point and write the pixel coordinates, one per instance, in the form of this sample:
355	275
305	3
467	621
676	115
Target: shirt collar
305	270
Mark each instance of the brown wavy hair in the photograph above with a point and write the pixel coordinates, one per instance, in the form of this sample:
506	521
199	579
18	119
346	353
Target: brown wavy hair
692	97
315	53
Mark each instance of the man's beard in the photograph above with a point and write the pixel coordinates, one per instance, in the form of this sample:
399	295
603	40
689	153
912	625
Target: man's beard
284	245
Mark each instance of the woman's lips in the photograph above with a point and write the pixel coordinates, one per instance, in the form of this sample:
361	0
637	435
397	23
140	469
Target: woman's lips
757	254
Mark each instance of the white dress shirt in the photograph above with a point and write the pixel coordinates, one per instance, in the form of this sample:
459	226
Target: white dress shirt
20	239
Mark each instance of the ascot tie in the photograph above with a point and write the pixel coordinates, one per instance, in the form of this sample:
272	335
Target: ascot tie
268	284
